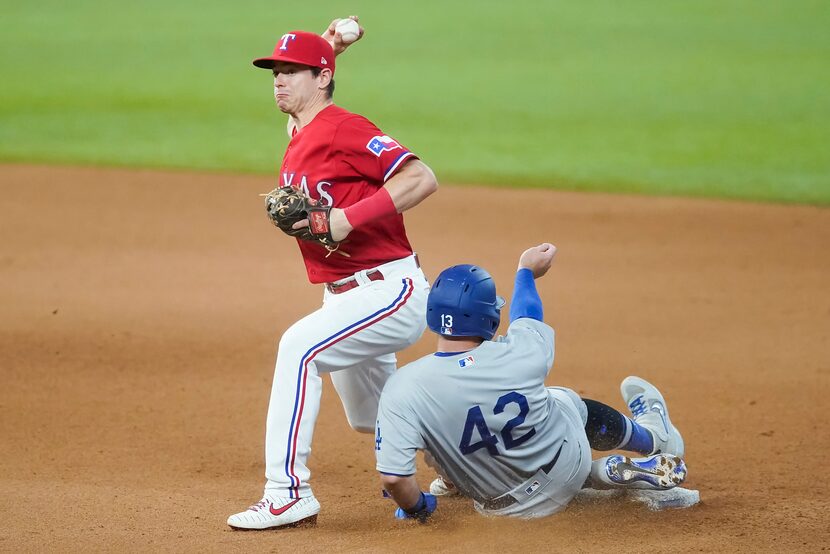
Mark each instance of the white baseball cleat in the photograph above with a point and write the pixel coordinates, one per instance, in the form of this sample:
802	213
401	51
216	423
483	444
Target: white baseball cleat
655	472
439	487
649	410
271	513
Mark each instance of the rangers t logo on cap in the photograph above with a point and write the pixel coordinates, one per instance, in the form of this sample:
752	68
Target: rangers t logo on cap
285	38
302	48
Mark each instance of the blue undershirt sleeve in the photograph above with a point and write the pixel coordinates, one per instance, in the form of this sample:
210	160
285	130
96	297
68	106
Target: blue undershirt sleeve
526	301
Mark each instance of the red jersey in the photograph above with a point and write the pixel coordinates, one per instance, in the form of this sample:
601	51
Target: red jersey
341	158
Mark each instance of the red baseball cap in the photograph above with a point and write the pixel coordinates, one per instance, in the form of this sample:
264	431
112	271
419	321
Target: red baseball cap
300	47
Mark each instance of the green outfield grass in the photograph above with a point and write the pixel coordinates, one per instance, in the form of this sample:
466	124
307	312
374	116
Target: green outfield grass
706	98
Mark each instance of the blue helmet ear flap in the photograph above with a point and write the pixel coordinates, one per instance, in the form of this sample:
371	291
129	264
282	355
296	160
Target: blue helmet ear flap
463	303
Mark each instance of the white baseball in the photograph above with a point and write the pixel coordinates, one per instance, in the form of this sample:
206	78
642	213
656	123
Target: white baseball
348	29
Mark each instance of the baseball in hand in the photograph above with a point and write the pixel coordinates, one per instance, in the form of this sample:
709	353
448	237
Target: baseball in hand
348	29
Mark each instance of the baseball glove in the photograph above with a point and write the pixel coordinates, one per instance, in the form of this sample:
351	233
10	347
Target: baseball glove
286	206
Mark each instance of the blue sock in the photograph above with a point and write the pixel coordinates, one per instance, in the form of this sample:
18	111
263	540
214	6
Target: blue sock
639	441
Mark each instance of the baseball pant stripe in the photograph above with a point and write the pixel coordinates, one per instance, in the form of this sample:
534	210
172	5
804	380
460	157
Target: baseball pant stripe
299	401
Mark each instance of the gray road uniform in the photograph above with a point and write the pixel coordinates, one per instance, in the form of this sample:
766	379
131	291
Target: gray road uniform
514	446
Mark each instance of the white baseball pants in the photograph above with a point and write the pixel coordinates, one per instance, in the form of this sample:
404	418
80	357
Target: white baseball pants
354	336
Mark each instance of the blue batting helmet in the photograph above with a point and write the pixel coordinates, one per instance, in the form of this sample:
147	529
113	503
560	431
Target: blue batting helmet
463	303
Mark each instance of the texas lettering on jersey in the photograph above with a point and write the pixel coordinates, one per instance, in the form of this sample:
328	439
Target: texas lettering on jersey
302	184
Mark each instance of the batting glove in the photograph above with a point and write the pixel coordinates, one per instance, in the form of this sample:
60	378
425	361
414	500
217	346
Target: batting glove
420	511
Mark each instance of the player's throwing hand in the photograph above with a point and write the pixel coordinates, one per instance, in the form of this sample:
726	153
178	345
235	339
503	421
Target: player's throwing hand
538	259
336	40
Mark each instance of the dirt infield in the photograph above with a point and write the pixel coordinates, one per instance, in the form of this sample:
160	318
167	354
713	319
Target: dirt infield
139	315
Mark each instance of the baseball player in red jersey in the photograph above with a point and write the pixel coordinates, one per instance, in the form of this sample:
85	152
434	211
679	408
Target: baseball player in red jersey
374	299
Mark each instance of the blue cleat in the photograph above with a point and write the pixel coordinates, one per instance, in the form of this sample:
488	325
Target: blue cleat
655	472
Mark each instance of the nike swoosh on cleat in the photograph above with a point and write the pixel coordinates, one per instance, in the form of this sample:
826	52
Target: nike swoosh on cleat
281	510
659	409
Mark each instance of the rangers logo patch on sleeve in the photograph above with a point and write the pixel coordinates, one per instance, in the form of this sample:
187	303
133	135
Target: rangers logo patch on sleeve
381	144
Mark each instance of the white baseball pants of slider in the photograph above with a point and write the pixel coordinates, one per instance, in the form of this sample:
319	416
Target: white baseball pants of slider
354	336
